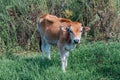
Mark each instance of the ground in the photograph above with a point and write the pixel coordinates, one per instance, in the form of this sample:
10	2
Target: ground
89	61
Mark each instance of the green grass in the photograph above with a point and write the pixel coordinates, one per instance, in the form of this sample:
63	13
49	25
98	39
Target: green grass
90	61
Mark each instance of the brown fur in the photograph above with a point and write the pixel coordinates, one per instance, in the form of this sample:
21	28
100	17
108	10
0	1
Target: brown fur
54	30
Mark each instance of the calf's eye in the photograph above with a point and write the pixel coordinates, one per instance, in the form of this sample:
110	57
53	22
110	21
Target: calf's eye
70	31
81	31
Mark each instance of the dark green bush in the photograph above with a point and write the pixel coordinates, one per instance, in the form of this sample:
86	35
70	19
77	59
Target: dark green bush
18	18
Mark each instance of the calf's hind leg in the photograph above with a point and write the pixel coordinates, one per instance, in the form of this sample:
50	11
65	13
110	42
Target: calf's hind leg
48	51
42	47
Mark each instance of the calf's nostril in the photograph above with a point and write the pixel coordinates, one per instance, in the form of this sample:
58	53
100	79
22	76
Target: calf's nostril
76	41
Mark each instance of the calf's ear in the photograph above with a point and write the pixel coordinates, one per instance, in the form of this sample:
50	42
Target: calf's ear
86	29
63	28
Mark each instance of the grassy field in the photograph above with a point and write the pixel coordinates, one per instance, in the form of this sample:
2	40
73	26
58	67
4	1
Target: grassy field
89	61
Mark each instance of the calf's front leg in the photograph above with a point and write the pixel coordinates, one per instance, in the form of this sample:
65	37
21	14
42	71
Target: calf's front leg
63	55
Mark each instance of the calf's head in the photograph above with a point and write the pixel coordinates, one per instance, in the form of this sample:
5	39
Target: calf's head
75	32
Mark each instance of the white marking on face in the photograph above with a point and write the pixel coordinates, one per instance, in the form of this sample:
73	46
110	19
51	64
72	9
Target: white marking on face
79	36
75	39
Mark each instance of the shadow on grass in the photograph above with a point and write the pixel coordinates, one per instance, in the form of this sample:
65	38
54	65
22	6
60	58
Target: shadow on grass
42	64
39	62
32	62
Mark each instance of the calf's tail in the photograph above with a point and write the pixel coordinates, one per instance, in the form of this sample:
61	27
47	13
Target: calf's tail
38	30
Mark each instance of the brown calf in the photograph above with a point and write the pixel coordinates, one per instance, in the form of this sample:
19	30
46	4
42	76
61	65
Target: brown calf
61	32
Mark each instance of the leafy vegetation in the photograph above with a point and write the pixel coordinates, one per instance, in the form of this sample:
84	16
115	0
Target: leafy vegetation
90	61
18	19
